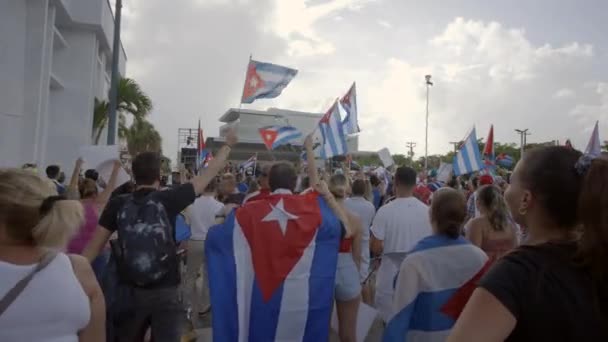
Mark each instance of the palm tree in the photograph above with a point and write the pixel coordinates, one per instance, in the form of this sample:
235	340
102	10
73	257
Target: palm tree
131	100
142	137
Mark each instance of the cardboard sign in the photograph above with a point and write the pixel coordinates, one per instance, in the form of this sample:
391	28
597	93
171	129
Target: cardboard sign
101	158
385	157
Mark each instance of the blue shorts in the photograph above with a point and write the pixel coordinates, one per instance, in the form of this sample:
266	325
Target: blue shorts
348	284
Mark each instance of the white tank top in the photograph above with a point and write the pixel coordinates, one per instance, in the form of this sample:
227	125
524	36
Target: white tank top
52	308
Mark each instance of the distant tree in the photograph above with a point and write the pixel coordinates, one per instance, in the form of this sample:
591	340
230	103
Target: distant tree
605	147
131	100
142	137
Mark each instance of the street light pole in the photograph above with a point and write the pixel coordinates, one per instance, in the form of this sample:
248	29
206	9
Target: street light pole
523	133
114	81
426	135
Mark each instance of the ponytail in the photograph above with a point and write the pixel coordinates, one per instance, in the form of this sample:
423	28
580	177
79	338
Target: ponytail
56	227
32	212
593	245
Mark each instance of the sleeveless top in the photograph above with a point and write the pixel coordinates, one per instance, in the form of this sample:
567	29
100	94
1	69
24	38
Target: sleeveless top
52	308
496	248
87	230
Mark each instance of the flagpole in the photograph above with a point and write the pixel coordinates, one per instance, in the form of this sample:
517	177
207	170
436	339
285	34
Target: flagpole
255	163
426	135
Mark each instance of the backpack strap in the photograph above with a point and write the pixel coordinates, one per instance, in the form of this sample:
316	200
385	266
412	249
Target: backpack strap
13	293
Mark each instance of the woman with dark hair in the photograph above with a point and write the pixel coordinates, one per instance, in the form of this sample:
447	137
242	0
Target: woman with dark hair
429	286
555	288
493	231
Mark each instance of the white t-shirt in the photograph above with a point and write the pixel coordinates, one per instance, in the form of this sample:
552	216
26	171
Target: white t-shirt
365	211
400	224
202	216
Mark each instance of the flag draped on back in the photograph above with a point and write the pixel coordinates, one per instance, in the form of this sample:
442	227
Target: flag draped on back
349	103
468	158
265	81
334	140
275	136
434	283
594	147
489	158
272	268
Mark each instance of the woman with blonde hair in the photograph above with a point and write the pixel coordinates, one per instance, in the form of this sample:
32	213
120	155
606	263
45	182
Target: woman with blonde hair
35	225
493	231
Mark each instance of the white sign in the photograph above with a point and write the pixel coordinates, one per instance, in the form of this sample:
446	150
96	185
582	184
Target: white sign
444	173
101	158
385	157
365	318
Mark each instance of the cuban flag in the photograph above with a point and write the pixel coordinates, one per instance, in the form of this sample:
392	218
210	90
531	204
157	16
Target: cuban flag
334	140
265	81
435	281
489	157
505	160
594	147
349	103
272	267
249	162
468	158
202	153
275	136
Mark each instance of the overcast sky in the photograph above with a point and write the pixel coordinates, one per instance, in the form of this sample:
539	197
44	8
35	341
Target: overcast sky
540	65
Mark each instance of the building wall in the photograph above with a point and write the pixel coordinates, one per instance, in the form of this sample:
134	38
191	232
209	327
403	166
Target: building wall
55	59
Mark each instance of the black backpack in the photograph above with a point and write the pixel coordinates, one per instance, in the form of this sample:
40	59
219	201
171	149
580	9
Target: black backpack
148	252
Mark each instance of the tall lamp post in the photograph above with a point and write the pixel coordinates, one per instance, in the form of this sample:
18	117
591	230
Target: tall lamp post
114	81
523	133
426	135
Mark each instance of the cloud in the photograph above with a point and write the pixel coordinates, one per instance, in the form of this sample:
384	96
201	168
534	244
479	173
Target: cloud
563	93
385	24
191	60
295	21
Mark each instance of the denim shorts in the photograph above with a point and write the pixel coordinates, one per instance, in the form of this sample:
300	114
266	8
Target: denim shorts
348	284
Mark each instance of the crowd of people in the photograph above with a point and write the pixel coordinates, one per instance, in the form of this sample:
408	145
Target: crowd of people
476	259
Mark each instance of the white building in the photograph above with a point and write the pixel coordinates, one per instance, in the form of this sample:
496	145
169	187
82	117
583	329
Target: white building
247	123
55	59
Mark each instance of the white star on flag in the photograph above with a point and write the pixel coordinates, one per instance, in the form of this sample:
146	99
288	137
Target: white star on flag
253	83
280	215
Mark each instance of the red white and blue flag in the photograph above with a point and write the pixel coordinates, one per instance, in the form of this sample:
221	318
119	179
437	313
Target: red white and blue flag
249	162
272	267
334	140
468	158
594	147
202	154
265	81
489	157
275	136
435	281
349	103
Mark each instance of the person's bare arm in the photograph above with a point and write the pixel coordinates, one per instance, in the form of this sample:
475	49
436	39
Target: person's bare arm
97	243
484	319
216	165
475	232
94	331
376	245
73	186
356	250
336	208
104	196
313	175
